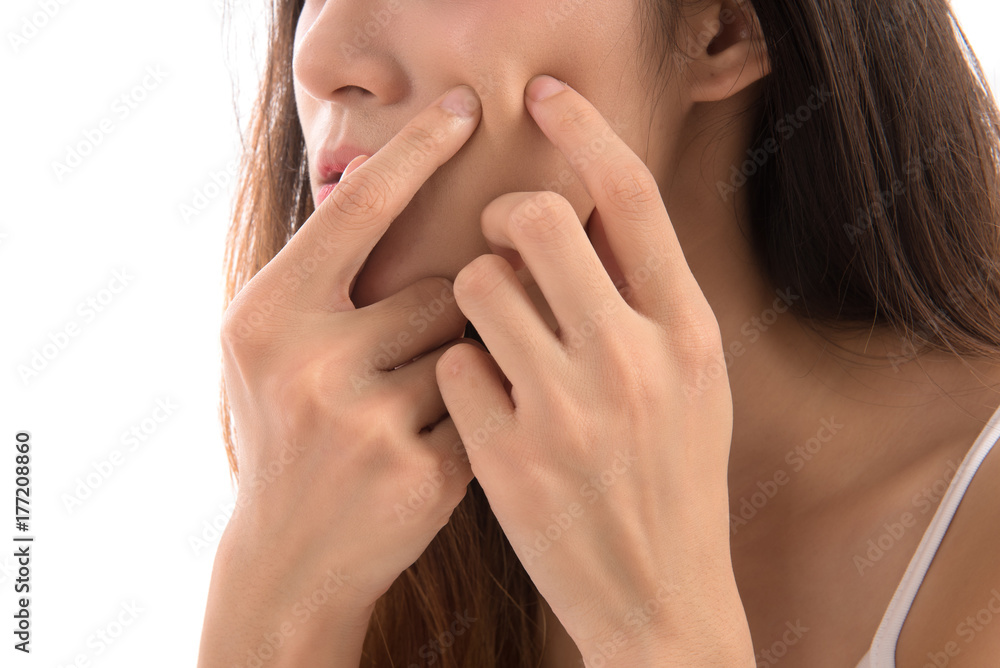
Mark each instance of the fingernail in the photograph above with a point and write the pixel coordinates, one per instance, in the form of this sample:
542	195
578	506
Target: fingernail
461	101
353	164
544	86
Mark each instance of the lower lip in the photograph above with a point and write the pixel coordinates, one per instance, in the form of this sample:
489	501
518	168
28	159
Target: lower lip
325	191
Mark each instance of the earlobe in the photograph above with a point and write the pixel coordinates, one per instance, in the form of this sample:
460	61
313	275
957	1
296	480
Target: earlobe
727	51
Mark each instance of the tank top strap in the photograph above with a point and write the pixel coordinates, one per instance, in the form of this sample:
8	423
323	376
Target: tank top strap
882	653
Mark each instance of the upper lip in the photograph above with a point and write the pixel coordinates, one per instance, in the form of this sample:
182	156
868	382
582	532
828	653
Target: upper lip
330	163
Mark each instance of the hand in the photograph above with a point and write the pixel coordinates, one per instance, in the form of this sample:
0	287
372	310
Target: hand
606	463
331	434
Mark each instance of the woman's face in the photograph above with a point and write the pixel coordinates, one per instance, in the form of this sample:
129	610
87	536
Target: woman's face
363	70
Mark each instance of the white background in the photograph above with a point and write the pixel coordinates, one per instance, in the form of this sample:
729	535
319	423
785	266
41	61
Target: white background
150	202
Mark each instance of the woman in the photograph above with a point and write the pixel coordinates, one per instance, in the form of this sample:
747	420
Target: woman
714	438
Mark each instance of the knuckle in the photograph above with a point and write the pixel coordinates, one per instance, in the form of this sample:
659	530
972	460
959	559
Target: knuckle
256	322
233	329
697	343
241	324
639	381
634	192
540	216
423	461
643	387
359	198
481	277
306	393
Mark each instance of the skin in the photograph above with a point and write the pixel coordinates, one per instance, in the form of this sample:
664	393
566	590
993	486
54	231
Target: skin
900	421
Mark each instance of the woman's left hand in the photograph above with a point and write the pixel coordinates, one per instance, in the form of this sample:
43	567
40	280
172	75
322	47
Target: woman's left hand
606	463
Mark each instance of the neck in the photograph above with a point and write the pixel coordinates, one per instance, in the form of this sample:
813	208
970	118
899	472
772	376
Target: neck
828	409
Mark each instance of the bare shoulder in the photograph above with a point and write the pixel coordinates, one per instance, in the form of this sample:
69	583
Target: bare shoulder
955	617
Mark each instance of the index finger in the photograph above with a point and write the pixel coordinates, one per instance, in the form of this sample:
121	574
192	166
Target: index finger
626	195
326	253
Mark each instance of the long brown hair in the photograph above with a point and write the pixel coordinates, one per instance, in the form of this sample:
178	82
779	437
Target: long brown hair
879	208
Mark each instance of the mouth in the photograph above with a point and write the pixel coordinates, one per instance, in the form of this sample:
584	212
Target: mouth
330	165
325	190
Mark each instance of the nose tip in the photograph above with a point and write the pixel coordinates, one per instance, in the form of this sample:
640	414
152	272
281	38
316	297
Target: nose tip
328	61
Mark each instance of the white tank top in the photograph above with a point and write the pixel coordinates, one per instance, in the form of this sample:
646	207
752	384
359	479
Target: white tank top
882	652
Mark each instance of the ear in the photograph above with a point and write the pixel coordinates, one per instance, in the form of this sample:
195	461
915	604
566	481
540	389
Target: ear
722	50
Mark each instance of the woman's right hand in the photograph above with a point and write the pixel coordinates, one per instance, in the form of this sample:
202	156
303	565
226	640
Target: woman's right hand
338	478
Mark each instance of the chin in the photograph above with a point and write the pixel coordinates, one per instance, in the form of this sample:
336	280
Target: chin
398	262
416	245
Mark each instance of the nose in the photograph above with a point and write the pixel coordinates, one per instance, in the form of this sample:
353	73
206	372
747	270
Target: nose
345	49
